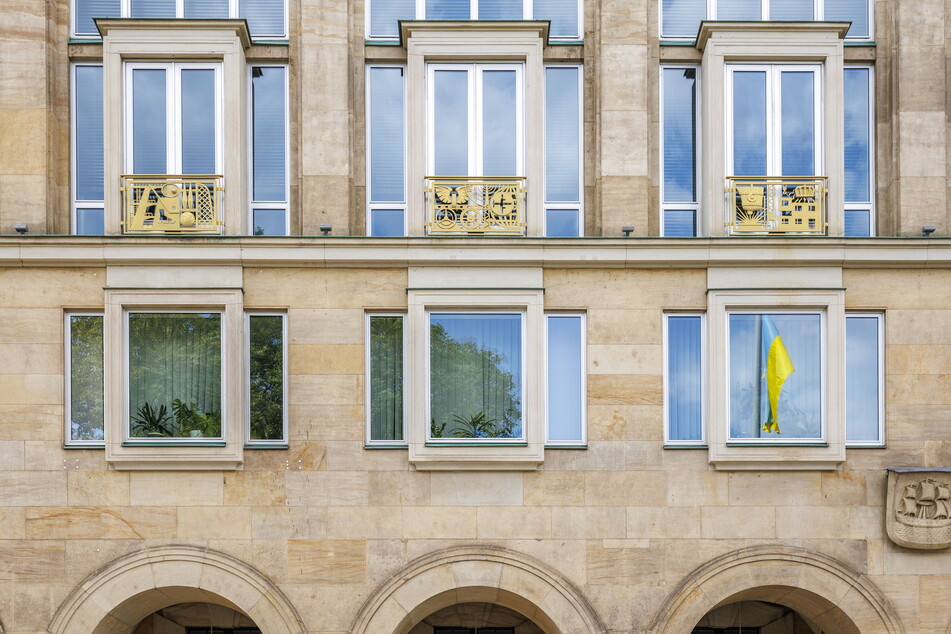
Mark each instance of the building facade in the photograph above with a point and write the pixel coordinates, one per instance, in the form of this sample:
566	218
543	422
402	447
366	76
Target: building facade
475	317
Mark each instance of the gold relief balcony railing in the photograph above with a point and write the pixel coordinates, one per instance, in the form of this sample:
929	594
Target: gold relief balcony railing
171	203
777	205
475	205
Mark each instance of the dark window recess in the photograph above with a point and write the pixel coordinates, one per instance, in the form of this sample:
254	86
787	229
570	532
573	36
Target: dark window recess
223	630
472	630
725	630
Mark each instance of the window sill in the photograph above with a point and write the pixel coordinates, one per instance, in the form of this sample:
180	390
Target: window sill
673	446
99	446
777	443
570	447
267	446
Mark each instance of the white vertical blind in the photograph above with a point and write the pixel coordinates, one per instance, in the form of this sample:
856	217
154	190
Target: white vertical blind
565	378
265	17
86	10
89	133
387	137
681	18
562	134
268	139
386	14
563	15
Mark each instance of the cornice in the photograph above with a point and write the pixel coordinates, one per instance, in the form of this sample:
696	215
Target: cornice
344	252
238	27
709	28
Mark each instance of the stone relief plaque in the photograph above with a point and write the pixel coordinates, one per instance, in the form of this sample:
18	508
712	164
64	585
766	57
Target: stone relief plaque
918	508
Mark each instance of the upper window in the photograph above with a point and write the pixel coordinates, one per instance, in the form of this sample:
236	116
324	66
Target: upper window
859	151
88	199
269	132
679	187
564	195
680	19
173	118
383	16
266	18
386	151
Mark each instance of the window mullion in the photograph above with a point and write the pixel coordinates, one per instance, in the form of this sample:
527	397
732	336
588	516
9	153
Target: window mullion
420	9
180	8
174	117
475	121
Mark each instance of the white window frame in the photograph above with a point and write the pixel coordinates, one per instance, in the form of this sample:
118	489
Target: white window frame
583	442
369	441
474	73
283	205
371	204
262	443
774	114
127	437
125	11
698	163
870	205
702	442
726	453
125	452
818	16
173	100
873	444
67	375
520	440
76	203
528	10
579	205
429	293
822	438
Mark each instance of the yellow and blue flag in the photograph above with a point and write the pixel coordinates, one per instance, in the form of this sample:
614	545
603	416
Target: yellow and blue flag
778	368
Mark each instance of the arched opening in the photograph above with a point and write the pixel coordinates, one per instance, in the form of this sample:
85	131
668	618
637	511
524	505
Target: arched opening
197	618
475	582
476	618
819	592
176	583
755	617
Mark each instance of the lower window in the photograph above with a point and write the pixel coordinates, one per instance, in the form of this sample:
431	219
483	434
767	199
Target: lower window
775	376
475	376
175	371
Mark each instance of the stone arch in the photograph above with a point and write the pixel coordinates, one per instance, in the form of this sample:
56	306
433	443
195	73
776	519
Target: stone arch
485	574
118	596
820	588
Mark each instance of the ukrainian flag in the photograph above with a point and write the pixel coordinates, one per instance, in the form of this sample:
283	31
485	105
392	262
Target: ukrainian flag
778	368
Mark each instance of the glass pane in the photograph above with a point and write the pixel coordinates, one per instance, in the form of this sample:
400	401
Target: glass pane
387	135
680	134
88	127
153	8
386	378
861	379
500	10
265	17
775	376
562	135
565	378
85	377
563	15
798	103
681	18
267	376
451	125
854	11
90	222
749	123
858	223
791	10
499	125
268	138
86	10
269	222
149	138
175	375
386	222
684	378
198	121
475	378
680	223
740	10
198	9
857	135
562	223
447	9
386	14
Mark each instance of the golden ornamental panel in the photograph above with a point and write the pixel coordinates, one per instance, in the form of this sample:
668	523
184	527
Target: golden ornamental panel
478	205
777	205
171	203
